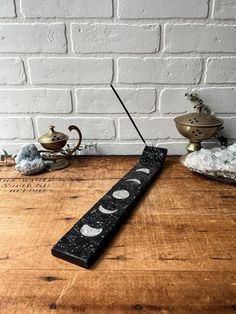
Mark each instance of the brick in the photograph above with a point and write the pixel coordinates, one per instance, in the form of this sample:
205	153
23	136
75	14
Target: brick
174	148
16	128
33	38
151	128
35	101
200	38
7	8
103	100
160	70
95	38
131	148
230	127
11	148
221	70
66	8
114	148
91	128
70	70
133	9
219	100
12	71
111	148
224	9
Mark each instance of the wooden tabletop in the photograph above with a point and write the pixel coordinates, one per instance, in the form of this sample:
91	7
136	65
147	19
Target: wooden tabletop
176	253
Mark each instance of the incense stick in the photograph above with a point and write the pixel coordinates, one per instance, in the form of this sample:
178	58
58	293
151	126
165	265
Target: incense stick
126	110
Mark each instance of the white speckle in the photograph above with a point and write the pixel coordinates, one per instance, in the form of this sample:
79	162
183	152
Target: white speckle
146	170
134	180
88	231
120	194
106	211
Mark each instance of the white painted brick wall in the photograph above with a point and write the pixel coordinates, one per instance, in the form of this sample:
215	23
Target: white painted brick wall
12	71
153	128
137	9
66	8
7	8
70	70
207	38
159	70
230	126
103	100
33	38
224	9
172	100
16	128
58	57
99	127
221	70
94	38
35	101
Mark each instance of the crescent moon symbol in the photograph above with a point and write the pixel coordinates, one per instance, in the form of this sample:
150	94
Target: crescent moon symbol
146	170
106	211
88	231
134	180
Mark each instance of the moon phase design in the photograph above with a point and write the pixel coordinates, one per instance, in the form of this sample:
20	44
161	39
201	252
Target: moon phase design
146	170
88	231
134	180
120	194
106	211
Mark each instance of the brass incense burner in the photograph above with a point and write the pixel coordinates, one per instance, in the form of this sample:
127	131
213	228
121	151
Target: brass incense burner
54	142
197	127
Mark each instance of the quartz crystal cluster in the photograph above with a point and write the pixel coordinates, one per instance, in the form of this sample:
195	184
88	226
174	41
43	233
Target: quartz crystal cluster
215	162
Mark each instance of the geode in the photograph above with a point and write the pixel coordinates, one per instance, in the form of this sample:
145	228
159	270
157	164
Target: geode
218	163
28	160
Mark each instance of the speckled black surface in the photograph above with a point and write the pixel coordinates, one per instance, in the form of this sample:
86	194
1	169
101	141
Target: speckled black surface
83	250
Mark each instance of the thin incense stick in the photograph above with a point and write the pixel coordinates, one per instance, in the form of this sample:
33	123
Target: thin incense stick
117	95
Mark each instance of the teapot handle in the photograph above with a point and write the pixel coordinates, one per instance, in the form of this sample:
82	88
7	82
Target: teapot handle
73	127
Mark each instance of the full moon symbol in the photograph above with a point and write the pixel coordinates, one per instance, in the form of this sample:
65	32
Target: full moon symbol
120	194
134	180
106	211
146	170
88	231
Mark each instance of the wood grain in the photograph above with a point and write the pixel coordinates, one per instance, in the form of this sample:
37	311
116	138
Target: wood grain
176	252
118	292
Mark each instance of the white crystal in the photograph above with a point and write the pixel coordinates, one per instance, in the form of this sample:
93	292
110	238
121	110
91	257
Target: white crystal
220	161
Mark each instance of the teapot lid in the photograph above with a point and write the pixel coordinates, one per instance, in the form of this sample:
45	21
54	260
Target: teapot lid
52	136
199	119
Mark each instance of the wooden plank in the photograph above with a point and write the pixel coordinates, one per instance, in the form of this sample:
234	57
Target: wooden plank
175	254
114	167
75	201
79	186
147	240
120	292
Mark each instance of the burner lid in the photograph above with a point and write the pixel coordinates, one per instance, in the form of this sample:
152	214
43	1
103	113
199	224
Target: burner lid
199	119
52	136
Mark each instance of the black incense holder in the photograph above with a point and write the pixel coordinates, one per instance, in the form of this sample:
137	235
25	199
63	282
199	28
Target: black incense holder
84	242
86	239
